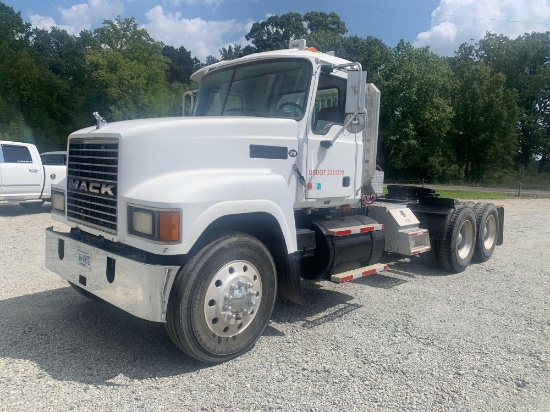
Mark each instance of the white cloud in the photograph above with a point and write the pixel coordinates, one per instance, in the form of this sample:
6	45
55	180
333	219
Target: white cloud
458	21
47	22
210	3
81	16
200	37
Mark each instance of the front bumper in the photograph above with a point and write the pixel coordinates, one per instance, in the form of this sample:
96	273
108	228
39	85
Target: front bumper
135	287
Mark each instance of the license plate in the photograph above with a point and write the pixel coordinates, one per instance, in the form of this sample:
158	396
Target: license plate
85	259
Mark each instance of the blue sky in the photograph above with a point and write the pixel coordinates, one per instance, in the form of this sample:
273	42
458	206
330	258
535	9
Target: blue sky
205	26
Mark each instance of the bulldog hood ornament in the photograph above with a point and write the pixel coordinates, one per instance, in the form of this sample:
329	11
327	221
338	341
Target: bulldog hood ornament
101	122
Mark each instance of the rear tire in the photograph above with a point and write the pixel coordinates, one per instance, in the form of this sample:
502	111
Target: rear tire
456	251
222	299
467	203
487	225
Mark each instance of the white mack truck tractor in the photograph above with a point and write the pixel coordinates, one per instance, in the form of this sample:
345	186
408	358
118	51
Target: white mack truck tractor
200	221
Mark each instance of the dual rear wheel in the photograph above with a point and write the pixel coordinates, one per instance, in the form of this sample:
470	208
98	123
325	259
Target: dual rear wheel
487	224
471	235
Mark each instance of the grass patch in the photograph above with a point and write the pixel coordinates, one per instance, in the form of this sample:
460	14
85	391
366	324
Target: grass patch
473	194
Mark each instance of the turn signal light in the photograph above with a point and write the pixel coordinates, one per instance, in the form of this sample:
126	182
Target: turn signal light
169	226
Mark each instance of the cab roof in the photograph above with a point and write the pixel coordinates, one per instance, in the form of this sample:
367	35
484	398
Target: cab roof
314	56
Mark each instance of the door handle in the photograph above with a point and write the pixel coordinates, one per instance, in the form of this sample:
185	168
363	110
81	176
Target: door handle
33	170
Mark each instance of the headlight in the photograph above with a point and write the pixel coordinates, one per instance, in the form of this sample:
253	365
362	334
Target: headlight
154	224
58	202
142	222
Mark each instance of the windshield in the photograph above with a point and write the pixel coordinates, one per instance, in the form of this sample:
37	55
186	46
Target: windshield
264	89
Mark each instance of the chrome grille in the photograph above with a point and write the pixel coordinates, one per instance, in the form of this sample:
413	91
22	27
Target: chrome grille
92	178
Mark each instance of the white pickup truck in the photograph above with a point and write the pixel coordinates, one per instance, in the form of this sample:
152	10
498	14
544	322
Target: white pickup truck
24	177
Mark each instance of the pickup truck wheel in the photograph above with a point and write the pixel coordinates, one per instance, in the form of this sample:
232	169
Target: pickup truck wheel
456	251
222	298
32	205
487	230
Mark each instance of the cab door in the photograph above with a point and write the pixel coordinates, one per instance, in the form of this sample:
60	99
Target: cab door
55	170
22	176
331	172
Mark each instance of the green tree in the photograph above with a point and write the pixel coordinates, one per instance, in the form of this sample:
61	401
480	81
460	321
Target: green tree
525	62
232	52
39	93
316	21
322	30
130	71
211	60
276	32
416	114
13	30
12	124
325	41
371	52
124	35
14	44
65	57
182	65
532	81
484	134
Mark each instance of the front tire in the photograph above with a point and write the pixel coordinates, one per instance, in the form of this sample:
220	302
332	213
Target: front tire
456	251
222	298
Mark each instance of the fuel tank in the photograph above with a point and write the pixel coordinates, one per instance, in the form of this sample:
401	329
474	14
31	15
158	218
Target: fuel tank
348	252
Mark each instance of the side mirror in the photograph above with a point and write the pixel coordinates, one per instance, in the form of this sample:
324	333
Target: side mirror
355	91
188	103
355	102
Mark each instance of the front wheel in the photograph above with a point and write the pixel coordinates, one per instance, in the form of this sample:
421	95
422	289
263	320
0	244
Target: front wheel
222	298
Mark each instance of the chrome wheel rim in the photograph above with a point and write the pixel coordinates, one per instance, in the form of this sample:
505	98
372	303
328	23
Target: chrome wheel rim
489	232
232	297
465	239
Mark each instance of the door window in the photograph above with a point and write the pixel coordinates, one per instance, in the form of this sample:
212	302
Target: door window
327	111
53	159
16	154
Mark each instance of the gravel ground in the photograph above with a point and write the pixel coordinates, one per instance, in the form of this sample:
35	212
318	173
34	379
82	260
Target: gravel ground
412	339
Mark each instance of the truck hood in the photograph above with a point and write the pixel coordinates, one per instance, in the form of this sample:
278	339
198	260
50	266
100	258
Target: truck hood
150	148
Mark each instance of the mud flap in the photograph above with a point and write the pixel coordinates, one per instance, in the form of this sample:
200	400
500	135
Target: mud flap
500	238
288	275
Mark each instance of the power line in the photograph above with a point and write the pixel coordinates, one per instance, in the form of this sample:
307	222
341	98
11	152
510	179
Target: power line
423	12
